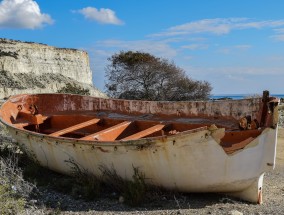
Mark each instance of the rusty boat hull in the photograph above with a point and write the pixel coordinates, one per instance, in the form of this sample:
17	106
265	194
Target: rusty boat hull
213	146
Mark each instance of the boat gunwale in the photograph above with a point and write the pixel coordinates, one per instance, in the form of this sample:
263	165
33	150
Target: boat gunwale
134	100
140	141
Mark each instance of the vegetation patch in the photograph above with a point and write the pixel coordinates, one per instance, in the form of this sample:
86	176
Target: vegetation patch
8	54
133	191
84	184
8	80
10	202
74	89
14	190
30	80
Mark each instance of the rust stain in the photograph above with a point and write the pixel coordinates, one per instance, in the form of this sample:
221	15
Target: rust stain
102	150
75	127
259	201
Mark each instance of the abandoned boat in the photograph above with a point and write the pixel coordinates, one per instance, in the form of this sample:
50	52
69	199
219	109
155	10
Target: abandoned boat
203	146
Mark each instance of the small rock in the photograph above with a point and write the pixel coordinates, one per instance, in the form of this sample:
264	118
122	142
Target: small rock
235	212
33	201
113	194
121	199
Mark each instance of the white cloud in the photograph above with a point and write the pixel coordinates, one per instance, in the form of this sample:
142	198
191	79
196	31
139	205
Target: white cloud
242	47
279	30
279	36
187	58
103	15
236	77
22	14
240	79
244	71
218	26
195	46
159	48
276	59
233	49
224	50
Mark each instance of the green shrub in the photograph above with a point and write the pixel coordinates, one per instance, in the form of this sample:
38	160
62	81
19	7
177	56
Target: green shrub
73	89
133	191
85	184
9	54
10	201
14	190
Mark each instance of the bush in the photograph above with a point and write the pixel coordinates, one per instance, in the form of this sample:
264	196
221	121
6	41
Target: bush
73	89
10	202
84	184
133	191
14	190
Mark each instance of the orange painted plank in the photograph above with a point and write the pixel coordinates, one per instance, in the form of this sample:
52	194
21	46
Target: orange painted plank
21	125
145	132
74	127
109	134
237	146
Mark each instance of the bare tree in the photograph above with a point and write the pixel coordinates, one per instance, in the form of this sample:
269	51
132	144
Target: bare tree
142	76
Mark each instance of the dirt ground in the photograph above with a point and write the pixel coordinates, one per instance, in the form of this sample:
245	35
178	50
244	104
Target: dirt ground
280	149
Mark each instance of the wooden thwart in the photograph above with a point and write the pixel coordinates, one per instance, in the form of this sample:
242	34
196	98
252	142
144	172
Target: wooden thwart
238	146
21	125
145	132
109	134
74	128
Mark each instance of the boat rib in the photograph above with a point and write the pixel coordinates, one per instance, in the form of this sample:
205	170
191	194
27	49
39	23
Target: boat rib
75	127
109	134
145	132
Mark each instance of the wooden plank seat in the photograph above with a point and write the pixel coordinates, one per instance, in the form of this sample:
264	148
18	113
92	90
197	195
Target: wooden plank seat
145	132
108	134
74	127
21	125
238	146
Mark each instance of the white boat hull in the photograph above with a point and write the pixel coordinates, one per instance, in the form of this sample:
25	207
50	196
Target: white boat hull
190	162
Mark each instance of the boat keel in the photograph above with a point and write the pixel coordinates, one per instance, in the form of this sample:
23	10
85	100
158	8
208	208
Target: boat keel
253	193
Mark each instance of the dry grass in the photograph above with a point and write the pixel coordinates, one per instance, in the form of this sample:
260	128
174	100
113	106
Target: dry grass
133	191
14	190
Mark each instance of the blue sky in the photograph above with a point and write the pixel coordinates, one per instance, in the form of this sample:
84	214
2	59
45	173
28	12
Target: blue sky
237	46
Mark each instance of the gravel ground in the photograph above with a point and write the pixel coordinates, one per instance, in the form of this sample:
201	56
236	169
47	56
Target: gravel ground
52	202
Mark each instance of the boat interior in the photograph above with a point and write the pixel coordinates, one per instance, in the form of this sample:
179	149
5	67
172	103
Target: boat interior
110	126
94	119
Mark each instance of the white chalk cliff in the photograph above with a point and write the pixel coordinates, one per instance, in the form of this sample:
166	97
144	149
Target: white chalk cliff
27	67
